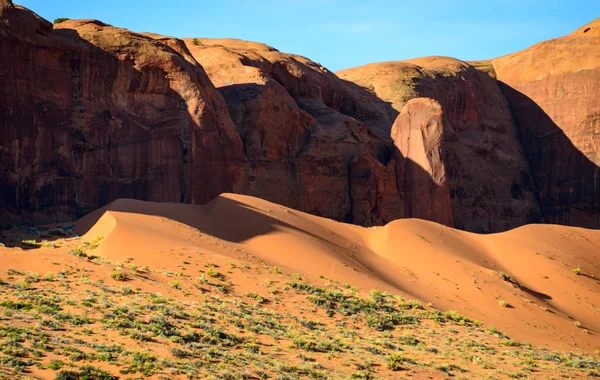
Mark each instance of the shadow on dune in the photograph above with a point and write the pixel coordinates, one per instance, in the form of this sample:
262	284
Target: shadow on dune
532	292
236	222
590	277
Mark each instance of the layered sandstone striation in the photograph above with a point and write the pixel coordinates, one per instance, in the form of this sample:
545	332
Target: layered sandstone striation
486	170
553	88
313	141
90	113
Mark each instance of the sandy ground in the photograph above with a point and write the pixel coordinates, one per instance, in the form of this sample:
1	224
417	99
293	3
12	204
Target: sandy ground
538	283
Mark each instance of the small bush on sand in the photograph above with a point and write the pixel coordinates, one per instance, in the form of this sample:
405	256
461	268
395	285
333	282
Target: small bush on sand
118	276
395	362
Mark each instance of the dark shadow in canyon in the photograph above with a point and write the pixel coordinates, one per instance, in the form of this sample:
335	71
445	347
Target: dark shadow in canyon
567	183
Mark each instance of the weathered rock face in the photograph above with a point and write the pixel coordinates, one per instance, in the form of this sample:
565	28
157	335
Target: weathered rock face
486	170
231	63
421	175
313	141
90	113
5	4
553	88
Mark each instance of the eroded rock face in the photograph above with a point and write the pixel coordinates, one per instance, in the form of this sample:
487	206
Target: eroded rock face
90	113
231	63
553	88
5	4
418	135
486	170
313	141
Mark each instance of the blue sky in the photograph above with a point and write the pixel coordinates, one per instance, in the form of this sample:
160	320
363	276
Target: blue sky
346	33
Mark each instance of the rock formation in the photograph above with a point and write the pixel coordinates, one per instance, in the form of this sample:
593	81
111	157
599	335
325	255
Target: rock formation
418	134
553	88
313	142
90	113
486	170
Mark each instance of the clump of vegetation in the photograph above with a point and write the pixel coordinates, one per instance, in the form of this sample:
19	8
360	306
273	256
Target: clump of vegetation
69	323
94	243
78	252
509	279
85	372
48	244
455	316
30	243
503	303
214	274
61	19
117	275
577	271
396	361
256	296
196	42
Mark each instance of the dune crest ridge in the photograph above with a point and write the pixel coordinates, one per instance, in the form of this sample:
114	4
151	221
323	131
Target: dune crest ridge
530	268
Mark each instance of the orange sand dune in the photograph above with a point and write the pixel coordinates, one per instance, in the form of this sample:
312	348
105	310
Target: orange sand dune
553	306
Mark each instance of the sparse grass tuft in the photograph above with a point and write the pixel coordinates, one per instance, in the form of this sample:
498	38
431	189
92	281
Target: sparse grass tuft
30	243
69	322
117	275
78	252
396	362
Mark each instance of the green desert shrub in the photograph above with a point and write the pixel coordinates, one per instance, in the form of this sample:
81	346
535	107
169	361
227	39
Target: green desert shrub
396	362
117	275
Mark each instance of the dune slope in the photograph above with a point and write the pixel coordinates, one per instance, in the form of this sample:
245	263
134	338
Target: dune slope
530	268
265	282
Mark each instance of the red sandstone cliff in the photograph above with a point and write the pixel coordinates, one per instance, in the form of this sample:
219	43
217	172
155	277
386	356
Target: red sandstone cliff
313	141
553	89
90	113
487	173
